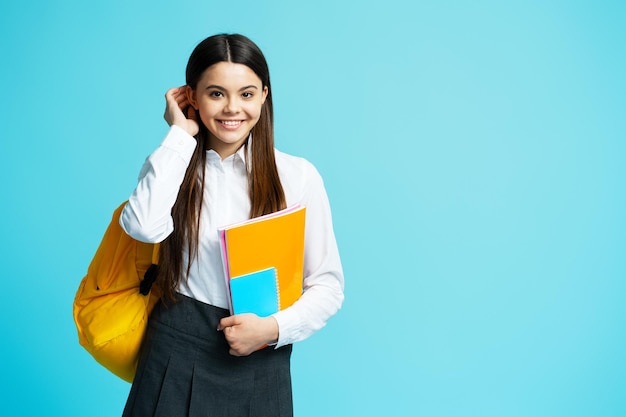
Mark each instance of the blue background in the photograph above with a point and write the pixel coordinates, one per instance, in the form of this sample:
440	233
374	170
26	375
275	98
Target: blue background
473	151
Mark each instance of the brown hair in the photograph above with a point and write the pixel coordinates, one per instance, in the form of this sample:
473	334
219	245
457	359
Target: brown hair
265	189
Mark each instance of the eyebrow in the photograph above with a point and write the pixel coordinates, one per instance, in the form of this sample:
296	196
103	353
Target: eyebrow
219	87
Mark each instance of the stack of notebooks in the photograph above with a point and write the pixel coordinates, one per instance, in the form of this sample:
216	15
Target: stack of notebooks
264	261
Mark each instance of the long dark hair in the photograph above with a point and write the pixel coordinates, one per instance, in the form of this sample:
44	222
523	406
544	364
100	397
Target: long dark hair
265	190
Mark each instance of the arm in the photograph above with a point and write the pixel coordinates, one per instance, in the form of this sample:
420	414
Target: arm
322	286
323	275
147	216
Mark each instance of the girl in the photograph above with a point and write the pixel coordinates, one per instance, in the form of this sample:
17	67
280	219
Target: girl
216	166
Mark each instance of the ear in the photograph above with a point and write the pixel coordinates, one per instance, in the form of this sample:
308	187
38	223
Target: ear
191	97
265	92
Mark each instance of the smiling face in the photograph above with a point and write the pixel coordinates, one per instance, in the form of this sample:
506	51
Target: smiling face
229	98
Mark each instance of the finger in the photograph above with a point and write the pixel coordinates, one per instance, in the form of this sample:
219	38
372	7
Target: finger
179	89
227	322
175	93
180	92
171	99
182	102
240	351
172	92
175	102
178	97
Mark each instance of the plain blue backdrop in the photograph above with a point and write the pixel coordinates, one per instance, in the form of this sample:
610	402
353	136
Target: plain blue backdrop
473	151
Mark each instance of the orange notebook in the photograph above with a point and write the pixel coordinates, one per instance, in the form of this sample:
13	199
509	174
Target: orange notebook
251	248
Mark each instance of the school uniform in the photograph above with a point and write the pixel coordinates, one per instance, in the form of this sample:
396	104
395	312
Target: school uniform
185	368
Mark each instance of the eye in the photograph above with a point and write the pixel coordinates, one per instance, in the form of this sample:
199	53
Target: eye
216	94
247	94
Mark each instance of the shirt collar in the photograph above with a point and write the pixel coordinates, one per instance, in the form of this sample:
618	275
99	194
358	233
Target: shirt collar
243	153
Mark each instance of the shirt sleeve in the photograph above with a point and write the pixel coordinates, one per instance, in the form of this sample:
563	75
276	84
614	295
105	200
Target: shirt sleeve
147	215
323	275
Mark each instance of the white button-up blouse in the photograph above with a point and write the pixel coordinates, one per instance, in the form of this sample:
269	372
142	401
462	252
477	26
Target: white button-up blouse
147	217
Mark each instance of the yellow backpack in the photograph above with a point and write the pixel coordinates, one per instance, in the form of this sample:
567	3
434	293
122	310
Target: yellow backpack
112	304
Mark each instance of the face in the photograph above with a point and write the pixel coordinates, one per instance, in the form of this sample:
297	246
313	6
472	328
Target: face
229	98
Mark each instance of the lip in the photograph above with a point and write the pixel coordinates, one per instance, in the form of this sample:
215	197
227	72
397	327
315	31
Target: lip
230	124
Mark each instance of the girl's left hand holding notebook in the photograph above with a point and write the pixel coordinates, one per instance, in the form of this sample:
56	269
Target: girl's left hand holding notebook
247	333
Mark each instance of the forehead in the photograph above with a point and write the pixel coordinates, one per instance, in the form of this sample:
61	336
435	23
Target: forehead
229	74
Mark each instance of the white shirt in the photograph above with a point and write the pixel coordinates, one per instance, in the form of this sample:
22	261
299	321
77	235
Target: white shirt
147	218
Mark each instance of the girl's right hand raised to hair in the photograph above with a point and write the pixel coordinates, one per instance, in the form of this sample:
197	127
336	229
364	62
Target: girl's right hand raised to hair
177	102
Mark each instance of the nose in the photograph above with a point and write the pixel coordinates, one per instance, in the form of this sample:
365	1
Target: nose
232	105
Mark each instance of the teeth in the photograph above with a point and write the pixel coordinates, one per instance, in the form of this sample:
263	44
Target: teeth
231	122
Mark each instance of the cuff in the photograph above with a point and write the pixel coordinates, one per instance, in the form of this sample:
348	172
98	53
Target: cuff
181	142
289	327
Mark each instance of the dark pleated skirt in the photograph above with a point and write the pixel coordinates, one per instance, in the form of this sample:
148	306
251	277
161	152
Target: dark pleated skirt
185	370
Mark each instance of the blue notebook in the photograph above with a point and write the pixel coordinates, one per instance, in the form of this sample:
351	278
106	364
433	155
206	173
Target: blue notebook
256	293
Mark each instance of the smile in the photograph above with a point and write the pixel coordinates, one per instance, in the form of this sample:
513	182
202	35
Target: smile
231	123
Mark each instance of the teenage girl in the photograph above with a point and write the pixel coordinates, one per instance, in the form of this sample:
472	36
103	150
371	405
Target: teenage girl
216	166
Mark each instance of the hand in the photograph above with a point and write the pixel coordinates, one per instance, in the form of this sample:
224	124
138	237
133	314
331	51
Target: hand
247	333
177	101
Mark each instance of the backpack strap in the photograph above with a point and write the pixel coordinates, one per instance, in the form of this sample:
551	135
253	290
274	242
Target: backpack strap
150	276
